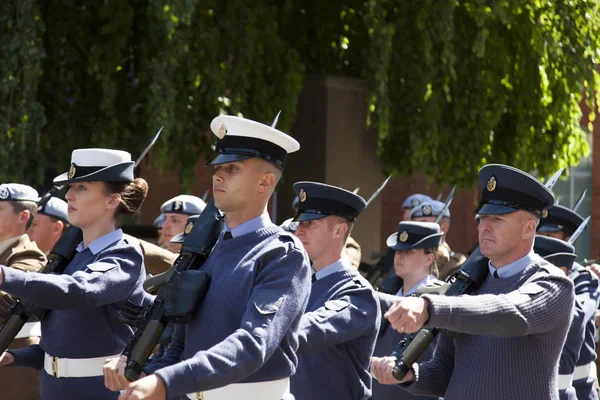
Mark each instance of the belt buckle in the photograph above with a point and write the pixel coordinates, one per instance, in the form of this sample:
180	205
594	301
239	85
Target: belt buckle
199	396
54	367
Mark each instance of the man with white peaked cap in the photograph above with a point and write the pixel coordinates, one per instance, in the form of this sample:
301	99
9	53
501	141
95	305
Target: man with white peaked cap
260	283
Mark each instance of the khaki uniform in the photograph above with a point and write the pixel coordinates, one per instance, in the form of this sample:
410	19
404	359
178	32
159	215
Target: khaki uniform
455	262
20	383
156	259
352	252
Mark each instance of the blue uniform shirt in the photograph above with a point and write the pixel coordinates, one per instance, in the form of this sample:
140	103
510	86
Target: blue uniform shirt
337	337
570	352
84	301
513	268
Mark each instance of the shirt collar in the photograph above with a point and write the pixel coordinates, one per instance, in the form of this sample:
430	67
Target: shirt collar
339	265
102	242
513	268
5	244
249	226
423	281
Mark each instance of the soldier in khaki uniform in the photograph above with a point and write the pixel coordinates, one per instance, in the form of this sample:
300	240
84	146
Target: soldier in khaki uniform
17	209
428	211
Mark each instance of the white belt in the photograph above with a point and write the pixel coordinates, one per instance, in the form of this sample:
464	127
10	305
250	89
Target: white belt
30	329
271	390
585	371
74	367
565	381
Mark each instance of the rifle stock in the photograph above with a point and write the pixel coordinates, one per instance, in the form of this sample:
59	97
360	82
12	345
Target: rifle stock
465	280
194	252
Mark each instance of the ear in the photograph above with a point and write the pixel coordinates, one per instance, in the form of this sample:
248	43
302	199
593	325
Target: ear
58	227
341	230
266	182
444	227
113	200
430	258
530	228
24	216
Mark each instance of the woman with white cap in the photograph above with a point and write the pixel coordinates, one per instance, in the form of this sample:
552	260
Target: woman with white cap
82	329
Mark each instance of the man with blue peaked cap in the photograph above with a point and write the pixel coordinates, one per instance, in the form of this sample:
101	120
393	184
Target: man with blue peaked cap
562	255
510	330
561	222
241	342
338	331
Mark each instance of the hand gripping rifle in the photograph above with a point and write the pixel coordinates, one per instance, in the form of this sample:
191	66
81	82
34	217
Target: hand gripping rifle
195	250
17	312
472	274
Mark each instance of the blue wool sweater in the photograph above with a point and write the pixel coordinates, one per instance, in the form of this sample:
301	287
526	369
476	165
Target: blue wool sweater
510	336
246	328
337	336
84	301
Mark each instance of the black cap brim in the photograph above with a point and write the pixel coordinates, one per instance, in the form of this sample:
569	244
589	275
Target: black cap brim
306	216
495	209
121	172
226	158
425	243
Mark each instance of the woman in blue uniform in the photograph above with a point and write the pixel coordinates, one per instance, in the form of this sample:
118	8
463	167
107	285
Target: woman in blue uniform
82	330
418	250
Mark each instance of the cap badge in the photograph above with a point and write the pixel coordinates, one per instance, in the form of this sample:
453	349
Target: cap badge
427	209
544	213
177	205
491	184
414	202
302	195
188	228
403	236
4	193
222	131
72	171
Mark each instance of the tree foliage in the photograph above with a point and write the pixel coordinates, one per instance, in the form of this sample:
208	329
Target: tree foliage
453	84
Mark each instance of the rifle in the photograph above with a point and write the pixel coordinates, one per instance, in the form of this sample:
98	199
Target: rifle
17	311
194	252
472	273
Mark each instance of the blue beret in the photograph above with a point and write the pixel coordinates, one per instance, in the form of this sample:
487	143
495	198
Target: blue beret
414	200
18	192
430	208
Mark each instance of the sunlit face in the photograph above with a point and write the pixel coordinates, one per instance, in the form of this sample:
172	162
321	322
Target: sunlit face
500	234
234	183
316	236
412	262
88	203
45	231
174	224
11	223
